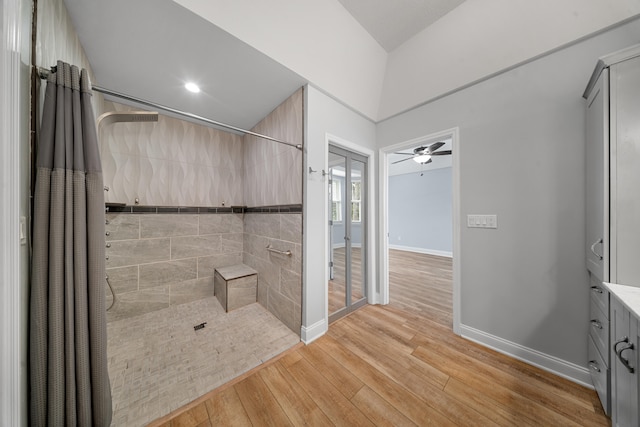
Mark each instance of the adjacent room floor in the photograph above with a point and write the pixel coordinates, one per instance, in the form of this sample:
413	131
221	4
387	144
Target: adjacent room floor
398	364
158	362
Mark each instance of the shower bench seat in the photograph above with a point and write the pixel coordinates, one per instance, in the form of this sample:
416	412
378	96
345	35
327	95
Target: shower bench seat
235	286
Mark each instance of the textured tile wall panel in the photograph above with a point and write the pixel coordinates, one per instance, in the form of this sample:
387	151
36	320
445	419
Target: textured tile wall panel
291	285
123	279
279	276
195	246
190	290
256	245
168	225
290	227
231	242
224	223
133	252
160	273
283	308
208	264
272	171
265	225
171	162
57	40
181	278
122	226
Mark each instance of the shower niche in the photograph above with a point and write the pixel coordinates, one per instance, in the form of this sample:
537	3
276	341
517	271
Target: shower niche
185	199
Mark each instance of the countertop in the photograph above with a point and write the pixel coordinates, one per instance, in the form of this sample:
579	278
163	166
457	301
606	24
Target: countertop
628	295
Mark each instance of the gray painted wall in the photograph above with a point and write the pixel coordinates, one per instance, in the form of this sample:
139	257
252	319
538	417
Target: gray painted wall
420	210
323	116
522	158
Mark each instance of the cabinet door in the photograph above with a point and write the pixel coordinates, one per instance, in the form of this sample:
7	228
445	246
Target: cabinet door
597	174
624	375
625	172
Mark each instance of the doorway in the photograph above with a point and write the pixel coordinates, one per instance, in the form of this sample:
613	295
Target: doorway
384	167
347	181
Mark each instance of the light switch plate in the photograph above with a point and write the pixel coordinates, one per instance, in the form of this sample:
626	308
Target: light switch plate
482	221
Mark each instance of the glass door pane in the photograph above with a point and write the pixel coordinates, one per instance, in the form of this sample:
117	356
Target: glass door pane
337	215
358	221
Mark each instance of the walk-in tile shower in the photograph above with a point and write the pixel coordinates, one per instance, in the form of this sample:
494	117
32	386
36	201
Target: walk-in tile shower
184	199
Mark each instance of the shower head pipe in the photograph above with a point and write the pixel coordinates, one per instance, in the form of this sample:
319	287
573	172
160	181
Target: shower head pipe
127	116
191	116
44	73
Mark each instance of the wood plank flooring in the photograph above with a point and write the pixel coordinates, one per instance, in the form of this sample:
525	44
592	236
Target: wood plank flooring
396	365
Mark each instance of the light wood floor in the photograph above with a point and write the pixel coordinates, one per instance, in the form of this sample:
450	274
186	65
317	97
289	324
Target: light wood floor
396	365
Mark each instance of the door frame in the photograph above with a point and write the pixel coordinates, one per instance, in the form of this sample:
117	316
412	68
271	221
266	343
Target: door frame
383	184
350	156
372	296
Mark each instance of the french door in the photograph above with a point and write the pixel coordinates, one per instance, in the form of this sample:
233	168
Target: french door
347	231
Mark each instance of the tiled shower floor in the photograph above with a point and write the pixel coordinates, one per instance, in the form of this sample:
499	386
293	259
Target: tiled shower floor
157	362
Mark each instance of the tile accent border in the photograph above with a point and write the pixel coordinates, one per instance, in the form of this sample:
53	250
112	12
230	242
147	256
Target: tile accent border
139	209
275	209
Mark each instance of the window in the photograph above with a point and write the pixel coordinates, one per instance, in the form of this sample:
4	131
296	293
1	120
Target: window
356	201
336	201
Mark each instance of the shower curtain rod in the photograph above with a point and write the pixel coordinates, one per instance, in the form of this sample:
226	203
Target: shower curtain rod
44	74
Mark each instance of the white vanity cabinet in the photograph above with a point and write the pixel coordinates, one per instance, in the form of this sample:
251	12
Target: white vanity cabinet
612	252
624	365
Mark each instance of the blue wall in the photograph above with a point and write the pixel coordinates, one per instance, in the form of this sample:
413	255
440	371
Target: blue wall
420	210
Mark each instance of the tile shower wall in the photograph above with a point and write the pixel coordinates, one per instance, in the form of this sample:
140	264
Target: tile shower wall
170	163
279	276
159	260
273	176
57	40
272	171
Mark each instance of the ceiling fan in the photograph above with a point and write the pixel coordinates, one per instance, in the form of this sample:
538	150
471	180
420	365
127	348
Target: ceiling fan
423	154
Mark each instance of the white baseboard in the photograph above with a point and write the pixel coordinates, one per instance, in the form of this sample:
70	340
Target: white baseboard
310	333
568	370
422	251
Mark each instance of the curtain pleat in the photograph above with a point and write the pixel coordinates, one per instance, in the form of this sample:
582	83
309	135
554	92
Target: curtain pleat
68	334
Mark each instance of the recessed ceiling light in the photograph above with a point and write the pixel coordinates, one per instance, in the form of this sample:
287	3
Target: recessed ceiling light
192	87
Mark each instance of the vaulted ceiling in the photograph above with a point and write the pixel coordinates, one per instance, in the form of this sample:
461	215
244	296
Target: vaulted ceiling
392	23
379	57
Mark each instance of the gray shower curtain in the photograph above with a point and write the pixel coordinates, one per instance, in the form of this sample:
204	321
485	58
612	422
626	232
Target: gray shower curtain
68	333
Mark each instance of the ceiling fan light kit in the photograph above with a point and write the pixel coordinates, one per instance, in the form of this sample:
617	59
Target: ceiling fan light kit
422	155
422	158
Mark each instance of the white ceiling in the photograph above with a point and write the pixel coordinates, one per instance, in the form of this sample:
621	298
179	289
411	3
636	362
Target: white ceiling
150	48
392	22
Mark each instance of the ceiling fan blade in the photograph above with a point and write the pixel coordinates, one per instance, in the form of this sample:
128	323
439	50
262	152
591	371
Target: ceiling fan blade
433	147
404	154
403	160
441	153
